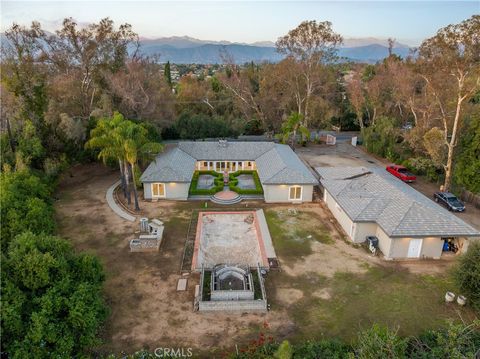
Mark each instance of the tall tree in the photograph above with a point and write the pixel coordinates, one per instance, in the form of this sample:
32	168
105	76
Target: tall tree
137	146
105	138
168	74
450	65
312	45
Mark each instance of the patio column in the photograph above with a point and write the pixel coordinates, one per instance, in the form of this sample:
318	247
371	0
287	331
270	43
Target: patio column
243	165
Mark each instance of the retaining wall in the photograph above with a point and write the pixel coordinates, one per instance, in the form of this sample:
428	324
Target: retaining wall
233	306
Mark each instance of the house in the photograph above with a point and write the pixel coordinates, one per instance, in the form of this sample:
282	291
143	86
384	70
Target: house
371	202
283	176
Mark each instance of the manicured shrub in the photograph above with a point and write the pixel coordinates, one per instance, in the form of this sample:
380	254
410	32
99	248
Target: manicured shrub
233	183
218	184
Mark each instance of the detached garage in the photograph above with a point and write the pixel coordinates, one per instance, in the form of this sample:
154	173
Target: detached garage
371	202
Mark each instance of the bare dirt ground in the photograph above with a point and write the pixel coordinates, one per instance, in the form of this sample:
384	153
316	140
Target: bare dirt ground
345	155
148	312
228	238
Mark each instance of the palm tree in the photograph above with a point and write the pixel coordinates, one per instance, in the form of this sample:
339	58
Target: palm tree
292	125
104	137
137	146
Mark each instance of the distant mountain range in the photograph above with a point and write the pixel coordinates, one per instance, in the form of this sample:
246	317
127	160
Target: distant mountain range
186	50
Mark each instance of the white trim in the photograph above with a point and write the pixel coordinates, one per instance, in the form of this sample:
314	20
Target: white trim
301	193
164	190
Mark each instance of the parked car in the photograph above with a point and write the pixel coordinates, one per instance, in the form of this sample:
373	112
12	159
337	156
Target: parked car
401	172
449	200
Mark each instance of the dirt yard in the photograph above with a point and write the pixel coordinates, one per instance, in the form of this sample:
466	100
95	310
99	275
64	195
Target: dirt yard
327	287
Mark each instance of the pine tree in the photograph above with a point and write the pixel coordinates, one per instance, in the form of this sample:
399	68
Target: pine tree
167	74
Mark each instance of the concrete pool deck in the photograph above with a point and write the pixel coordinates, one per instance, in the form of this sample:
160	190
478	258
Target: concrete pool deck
232	237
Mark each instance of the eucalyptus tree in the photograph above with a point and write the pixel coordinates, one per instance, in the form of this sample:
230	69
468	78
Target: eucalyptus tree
449	63
312	45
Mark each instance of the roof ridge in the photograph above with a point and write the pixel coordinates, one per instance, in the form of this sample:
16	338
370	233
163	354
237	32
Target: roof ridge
403	217
278	154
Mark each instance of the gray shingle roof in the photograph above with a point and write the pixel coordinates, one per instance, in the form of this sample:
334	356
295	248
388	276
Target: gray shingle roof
233	151
399	209
276	164
173	165
281	165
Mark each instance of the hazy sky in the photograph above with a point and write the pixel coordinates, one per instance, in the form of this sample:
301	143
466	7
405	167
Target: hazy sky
248	21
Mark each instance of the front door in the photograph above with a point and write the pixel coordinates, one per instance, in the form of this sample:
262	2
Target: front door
414	248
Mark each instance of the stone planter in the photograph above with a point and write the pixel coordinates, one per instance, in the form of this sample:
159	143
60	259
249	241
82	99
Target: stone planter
461	300
449	297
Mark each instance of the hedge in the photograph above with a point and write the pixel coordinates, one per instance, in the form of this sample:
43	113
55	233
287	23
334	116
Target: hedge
218	183
233	182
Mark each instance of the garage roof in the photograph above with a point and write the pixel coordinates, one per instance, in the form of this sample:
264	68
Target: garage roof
374	195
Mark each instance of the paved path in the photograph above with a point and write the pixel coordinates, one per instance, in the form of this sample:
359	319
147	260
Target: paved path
114	206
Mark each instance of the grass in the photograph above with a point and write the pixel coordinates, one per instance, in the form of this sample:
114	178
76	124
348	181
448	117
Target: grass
399	299
293	236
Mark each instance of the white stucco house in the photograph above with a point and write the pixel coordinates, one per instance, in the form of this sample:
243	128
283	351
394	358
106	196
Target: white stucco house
372	202
284	177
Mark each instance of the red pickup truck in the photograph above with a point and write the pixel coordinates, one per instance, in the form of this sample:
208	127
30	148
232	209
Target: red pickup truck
401	172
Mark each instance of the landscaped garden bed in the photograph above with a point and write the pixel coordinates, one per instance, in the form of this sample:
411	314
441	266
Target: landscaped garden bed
234	183
216	187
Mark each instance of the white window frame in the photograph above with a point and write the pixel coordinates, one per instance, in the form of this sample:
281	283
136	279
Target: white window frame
290	191
164	190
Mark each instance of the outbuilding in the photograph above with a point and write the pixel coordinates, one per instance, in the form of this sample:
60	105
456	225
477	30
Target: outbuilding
371	202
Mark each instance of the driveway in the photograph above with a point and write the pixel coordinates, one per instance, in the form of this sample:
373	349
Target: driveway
343	154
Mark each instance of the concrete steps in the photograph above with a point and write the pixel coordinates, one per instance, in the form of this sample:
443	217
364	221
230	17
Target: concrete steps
217	200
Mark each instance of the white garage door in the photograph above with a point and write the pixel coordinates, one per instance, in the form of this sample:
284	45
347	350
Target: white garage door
414	248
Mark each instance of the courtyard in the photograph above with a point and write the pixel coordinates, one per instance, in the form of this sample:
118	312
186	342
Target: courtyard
231	238
327	287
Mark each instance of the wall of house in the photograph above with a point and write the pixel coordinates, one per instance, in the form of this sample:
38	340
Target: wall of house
362	230
280	193
173	190
431	248
384	242
341	217
232	166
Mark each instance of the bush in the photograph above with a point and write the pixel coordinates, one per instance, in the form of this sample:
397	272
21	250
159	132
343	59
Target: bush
467	167
218	183
380	342
233	182
25	205
453	341
333	349
467	274
189	126
51	298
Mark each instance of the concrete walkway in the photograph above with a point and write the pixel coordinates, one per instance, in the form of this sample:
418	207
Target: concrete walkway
114	206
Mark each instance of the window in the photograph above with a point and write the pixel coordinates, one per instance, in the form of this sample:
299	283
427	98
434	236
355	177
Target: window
295	193
205	164
158	189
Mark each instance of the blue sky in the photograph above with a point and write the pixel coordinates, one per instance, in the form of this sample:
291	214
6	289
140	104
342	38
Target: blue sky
248	21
